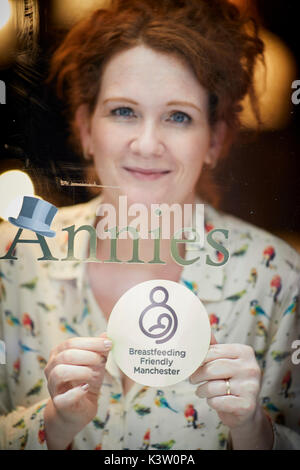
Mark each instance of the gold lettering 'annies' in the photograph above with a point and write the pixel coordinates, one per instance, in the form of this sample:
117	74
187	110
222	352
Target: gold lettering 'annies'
155	370
72	232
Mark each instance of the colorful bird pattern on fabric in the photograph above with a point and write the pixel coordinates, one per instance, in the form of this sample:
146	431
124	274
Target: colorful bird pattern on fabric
253	299
142	410
100	424
269	254
25	349
190	285
237	296
241	251
280	355
28	323
286	383
66	327
255	309
11	319
31	285
146	440
276	286
16	370
214	321
46	307
161	401
164	445
191	415
292	307
36	389
253	277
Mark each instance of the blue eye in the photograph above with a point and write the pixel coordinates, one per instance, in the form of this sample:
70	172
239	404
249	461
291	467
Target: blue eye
124	112
183	118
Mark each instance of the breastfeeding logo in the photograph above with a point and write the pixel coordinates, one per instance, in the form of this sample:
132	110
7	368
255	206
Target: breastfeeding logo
166	332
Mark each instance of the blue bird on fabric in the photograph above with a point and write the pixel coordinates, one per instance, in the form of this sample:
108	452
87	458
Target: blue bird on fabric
292	307
161	401
11	320
2	276
66	328
257	310
191	285
269	406
25	348
85	311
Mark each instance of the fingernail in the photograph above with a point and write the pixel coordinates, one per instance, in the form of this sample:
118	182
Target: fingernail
107	344
85	387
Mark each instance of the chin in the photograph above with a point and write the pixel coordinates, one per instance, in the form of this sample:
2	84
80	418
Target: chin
150	197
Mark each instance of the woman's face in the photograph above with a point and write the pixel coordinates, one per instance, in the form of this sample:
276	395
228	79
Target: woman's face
149	133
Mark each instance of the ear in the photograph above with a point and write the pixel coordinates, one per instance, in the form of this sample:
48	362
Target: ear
219	134
82	120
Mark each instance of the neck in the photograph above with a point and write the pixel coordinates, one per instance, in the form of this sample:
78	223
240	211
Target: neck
153	254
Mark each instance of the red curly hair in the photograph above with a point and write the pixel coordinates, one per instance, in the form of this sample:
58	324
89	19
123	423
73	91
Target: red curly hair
219	44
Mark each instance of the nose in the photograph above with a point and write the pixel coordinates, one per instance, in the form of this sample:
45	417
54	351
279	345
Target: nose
147	143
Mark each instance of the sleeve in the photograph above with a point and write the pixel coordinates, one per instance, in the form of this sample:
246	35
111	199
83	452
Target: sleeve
280	391
20	427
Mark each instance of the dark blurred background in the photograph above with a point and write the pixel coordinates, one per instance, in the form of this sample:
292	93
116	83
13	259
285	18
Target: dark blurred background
259	181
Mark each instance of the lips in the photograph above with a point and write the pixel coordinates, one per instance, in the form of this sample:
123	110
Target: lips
145	171
145	174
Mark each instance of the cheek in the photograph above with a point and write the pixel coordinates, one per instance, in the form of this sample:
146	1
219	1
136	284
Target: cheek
105	142
193	154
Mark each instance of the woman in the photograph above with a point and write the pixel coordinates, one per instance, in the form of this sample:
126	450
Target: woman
153	94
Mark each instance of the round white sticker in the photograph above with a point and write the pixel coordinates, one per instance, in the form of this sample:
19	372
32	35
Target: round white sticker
160	332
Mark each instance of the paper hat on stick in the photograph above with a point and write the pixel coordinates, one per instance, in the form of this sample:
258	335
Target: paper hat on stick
36	215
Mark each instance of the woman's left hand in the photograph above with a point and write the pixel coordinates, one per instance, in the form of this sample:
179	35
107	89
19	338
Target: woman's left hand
232	378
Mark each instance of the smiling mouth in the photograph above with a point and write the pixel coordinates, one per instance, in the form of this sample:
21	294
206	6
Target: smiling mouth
142	173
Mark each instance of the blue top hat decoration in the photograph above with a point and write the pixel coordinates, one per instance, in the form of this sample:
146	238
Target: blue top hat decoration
36	215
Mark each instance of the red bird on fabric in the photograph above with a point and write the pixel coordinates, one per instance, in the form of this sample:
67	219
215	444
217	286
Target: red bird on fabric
268	255
146	439
27	322
214	321
286	383
276	286
191	415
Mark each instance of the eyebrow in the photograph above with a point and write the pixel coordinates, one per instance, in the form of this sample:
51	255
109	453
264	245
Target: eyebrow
170	103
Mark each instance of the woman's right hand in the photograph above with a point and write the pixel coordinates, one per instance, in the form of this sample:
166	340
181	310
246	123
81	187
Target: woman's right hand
74	372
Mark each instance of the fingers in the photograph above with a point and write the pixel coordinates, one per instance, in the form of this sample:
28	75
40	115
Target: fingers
70	398
236	406
65	376
81	351
79	357
230	351
215	370
213	388
97	345
77	361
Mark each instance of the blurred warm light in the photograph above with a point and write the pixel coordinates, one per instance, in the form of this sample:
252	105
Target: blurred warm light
5	12
14	185
69	12
8	36
273	85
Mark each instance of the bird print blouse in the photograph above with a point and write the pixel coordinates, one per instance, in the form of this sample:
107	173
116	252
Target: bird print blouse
252	299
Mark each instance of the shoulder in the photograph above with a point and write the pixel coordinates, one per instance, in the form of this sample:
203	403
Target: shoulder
257	258
245	238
